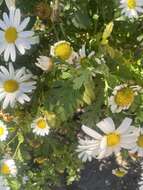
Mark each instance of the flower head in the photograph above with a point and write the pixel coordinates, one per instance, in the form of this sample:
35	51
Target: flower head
40	126
122	97
3	131
12	35
64	51
138	145
15	85
8	167
121	172
131	8
112	141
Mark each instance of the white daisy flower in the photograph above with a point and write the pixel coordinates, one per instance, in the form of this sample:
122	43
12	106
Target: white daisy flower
122	97
131	8
3	184
45	63
15	85
113	139
138	146
3	131
12	35
87	149
40	127
64	51
8	167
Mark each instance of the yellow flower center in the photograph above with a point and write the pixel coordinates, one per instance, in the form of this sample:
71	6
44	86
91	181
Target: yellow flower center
131	4
113	139
63	51
140	141
11	86
5	169
120	173
1	131
124	97
11	35
41	124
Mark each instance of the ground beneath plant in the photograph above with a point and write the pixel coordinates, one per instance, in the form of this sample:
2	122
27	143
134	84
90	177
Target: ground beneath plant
98	176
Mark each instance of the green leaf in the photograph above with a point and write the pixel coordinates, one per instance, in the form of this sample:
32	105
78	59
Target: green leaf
83	76
81	20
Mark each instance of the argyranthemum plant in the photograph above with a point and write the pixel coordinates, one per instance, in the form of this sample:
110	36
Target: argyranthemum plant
138	147
15	85
14	36
131	8
86	66
64	51
3	131
40	126
8	167
111	142
122	97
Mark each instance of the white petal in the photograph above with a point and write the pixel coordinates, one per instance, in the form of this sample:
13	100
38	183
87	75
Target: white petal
20	47
26	34
2	25
106	125
10	3
6	19
7	53
13	52
92	133
125	125
103	143
6	102
17	18
24	24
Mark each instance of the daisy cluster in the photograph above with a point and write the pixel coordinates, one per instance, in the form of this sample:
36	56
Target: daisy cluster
108	139
18	84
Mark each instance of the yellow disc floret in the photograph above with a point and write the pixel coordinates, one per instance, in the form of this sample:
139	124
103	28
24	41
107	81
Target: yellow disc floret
124	97
113	139
120	173
11	86
140	141
5	169
1	131
63	50
131	4
41	123
11	35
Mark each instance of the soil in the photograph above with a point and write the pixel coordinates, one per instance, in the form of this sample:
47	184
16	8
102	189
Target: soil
98	176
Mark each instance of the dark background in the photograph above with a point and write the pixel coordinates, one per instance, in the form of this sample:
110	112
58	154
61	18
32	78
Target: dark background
98	176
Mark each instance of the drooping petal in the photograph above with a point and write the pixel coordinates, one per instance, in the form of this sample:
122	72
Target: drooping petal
92	133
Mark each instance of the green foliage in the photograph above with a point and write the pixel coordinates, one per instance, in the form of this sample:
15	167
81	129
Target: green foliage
67	90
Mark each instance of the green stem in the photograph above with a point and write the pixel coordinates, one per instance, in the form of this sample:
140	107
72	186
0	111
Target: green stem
11	140
16	150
